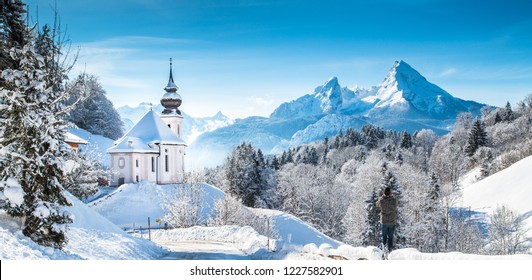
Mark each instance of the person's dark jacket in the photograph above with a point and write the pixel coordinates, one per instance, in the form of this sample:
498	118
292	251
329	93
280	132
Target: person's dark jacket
388	206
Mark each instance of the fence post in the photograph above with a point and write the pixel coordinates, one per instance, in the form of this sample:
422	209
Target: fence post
149	229
268	225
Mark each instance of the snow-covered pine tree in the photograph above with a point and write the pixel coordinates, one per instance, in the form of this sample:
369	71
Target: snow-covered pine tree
406	140
12	31
508	113
242	174
390	181
433	217
477	138
95	113
371	236
32	146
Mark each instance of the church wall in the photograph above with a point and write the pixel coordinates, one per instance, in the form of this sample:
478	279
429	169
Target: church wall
121	168
133	167
175	171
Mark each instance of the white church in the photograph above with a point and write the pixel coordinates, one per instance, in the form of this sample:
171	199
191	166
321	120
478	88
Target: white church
153	150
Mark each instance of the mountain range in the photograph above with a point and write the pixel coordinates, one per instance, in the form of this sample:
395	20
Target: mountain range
404	100
192	127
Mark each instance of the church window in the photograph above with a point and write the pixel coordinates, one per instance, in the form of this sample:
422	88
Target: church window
137	163
166	163
152	164
121	162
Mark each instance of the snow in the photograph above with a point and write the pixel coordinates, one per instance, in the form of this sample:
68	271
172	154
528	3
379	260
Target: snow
413	254
510	187
91	236
72	138
132	204
97	233
14	192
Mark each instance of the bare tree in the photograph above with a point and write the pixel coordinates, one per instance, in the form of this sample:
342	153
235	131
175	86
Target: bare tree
507	233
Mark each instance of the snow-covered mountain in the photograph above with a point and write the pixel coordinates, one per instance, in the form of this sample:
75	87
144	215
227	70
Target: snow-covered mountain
192	127
404	100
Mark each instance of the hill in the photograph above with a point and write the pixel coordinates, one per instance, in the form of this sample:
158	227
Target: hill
509	187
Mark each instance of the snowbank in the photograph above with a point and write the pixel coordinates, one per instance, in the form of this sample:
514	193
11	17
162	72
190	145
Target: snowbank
91	236
244	238
413	254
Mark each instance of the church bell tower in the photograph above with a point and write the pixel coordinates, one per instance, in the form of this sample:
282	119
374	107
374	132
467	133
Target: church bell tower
171	101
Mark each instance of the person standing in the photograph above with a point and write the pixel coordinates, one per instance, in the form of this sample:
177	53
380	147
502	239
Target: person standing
388	205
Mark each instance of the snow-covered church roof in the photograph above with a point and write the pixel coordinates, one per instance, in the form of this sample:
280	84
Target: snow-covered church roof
146	135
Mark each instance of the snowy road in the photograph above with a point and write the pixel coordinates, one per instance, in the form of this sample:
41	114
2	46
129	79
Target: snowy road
202	250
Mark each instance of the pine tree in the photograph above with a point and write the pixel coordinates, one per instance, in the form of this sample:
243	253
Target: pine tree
12	31
390	181
406	140
243	174
486	164
371	236
508	114
275	164
32	149
433	219
95	113
477	138
497	119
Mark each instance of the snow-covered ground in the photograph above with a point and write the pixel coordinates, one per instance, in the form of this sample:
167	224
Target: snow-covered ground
97	232
93	236
511	187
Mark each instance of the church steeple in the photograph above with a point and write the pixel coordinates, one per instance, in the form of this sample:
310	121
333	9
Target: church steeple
171	100
171	87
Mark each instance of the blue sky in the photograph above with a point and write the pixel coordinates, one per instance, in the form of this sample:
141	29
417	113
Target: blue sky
247	57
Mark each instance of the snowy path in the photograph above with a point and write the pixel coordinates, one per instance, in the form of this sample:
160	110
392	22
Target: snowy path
202	250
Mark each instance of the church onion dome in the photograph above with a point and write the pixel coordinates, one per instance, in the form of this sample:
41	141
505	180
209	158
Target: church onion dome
171	100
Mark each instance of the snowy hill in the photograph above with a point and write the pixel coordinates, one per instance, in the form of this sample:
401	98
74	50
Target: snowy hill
510	187
192	127
132	204
404	100
93	236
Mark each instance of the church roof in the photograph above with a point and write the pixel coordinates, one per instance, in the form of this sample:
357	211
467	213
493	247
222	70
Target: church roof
146	135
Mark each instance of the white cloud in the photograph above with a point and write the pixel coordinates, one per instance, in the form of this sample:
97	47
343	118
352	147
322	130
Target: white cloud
262	101
448	72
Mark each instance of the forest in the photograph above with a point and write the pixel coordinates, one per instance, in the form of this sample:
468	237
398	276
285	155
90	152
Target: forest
334	184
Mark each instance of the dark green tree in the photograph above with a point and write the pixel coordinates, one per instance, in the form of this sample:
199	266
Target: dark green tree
95	113
13	31
477	138
508	113
406	140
